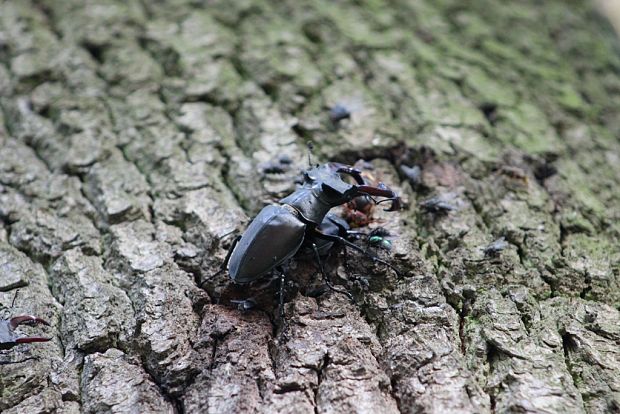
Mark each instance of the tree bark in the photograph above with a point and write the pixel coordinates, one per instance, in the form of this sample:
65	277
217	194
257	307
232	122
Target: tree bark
138	137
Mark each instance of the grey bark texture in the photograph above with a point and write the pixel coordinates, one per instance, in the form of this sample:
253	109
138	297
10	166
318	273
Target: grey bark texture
135	136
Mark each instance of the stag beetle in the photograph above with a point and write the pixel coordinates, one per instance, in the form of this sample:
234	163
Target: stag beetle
278	232
8	337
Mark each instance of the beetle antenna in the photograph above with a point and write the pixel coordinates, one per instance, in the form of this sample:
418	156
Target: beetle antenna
310	148
227	234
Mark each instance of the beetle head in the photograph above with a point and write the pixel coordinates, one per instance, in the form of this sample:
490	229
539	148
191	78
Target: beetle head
332	188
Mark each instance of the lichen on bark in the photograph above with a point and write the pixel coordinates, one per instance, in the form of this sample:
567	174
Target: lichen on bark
136	137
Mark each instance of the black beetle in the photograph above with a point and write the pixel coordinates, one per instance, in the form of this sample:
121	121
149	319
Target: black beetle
494	249
437	205
338	113
278	232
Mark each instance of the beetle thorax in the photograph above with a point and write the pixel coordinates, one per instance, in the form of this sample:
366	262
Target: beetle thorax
323	190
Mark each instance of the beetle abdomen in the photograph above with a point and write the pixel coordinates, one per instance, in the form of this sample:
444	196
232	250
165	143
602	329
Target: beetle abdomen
273	237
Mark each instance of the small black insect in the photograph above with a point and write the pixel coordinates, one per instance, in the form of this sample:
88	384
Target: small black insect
279	166
413	174
544	171
437	205
338	113
245	304
274	169
494	248
285	159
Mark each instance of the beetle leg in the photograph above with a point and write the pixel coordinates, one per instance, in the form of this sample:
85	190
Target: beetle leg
325	278
281	297
230	251
224	264
355	247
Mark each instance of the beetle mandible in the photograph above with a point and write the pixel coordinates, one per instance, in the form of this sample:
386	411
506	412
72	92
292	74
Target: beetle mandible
277	233
8	337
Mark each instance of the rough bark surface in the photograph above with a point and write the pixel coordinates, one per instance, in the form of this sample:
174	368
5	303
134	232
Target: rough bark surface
136	135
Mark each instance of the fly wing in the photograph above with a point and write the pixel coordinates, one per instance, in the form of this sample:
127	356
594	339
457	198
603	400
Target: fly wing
273	237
